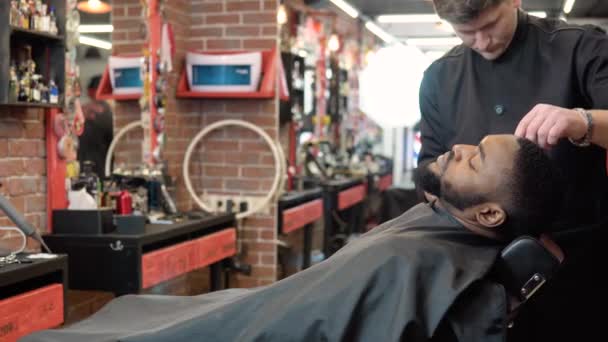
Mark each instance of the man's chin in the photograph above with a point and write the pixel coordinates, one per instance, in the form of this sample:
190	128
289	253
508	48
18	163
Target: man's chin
490	56
428	179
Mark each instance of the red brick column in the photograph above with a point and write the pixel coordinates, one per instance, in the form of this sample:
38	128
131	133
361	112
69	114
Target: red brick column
235	161
231	161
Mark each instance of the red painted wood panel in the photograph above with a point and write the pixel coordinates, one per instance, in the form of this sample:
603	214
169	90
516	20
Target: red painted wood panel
385	182
297	217
33	311
56	197
352	196
170	262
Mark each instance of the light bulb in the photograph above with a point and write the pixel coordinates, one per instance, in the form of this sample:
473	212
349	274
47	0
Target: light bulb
334	43
282	15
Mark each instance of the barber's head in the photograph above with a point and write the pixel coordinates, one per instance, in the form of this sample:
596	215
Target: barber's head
506	185
92	86
486	26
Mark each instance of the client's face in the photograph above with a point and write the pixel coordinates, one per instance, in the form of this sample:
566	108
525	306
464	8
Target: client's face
469	175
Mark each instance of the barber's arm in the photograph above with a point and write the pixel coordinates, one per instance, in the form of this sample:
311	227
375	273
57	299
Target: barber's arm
430	126
546	124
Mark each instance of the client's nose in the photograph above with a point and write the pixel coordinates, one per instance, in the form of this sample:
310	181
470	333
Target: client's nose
460	151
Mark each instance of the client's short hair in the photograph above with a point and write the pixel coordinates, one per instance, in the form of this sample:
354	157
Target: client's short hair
536	187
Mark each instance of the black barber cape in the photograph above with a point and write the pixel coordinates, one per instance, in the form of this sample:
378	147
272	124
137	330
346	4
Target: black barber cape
395	283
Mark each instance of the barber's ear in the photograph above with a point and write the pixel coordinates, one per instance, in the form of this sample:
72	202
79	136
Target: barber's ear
490	215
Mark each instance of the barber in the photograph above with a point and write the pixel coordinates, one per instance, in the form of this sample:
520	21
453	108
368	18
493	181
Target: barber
547	81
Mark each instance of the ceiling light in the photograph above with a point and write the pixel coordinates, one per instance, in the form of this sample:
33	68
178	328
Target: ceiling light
568	6
408	18
539	14
102	44
94	7
346	7
434	41
282	15
375	29
95	28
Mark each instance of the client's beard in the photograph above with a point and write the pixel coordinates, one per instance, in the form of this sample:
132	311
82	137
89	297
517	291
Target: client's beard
428	180
431	183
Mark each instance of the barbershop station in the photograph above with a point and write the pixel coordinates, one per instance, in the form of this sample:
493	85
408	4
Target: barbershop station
303	170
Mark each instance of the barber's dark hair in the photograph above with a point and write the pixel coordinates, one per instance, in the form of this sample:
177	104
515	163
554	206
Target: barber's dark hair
462	11
94	82
536	188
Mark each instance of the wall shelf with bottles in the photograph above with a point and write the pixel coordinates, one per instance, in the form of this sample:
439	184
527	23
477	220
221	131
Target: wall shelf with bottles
32	53
34	34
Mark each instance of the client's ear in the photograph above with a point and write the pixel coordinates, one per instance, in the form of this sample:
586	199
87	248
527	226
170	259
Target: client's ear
490	215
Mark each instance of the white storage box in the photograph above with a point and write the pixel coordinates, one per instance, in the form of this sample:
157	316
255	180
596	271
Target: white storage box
239	72
125	75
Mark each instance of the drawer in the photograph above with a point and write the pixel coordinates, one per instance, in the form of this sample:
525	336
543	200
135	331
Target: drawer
32	311
301	215
350	197
170	262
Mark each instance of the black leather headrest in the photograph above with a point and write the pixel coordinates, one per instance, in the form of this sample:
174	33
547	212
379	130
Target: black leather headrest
526	264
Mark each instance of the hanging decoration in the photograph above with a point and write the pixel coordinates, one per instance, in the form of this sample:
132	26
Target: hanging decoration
72	121
144	101
158	53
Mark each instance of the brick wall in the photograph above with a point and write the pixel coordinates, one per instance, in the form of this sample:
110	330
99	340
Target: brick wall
23	168
126	40
235	161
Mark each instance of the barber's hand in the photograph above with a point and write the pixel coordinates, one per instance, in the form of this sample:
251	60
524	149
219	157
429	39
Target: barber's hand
546	124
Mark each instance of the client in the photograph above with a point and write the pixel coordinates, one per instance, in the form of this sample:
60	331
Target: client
420	277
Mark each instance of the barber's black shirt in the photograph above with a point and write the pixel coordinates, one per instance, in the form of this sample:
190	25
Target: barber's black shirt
464	97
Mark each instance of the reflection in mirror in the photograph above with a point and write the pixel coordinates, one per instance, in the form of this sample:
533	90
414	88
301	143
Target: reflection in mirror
92	57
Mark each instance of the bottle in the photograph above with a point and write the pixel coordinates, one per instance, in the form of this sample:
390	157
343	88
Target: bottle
33	15
53	22
13	92
25	15
45	20
124	203
44	93
53	93
35	86
14	14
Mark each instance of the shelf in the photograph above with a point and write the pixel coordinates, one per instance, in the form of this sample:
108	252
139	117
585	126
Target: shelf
105	92
32	104
266	89
36	34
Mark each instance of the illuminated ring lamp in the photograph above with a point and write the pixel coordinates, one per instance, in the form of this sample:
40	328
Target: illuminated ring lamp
243	124
122	132
94	7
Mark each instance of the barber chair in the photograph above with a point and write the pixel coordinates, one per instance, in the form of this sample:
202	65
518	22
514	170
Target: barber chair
524	266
